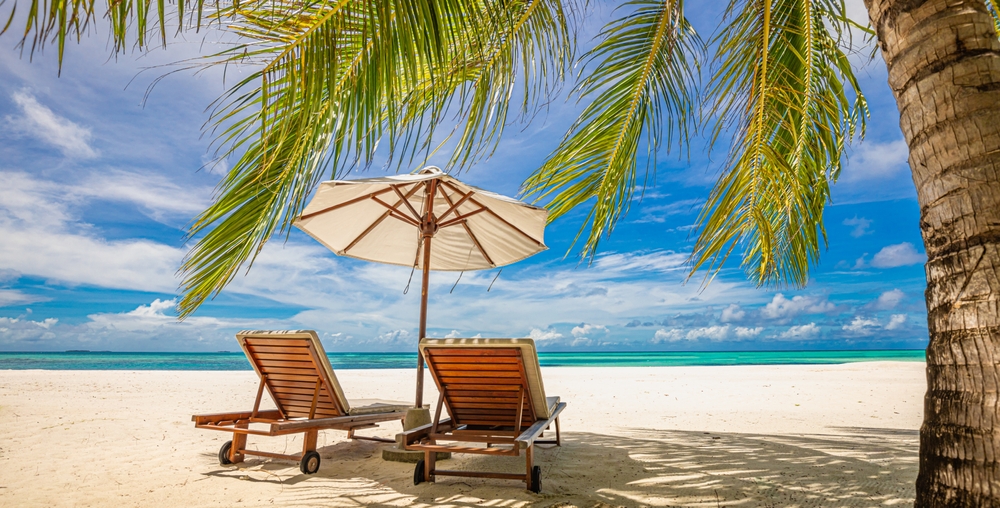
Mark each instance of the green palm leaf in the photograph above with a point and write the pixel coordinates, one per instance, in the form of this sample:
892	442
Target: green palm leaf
336	79
785	87
643	82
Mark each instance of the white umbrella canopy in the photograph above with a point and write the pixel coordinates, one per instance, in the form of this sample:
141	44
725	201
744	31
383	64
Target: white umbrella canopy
369	219
388	220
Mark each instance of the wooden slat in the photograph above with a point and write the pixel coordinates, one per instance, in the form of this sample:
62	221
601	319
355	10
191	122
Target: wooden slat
302	397
485	405
284	383
472	400
446	373
476	360
512	366
292	377
261	350
480	380
476	386
437	352
268	369
481	394
306	364
284	356
284	343
480	474
283	390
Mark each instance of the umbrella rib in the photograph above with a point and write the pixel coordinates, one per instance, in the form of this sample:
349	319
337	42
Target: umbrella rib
406	200
515	228
396	210
460	218
454	207
387	213
475	240
369	229
341	205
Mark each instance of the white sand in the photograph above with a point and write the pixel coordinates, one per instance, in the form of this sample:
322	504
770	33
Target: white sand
843	435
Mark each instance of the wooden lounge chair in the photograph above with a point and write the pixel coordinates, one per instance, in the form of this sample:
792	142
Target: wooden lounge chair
296	373
492	390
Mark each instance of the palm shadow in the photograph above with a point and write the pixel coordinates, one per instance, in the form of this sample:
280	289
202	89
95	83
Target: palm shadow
636	467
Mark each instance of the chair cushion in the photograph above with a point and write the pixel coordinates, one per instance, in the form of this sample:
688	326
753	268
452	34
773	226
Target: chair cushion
375	406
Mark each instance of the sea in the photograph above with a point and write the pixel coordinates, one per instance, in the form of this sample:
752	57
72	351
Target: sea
224	360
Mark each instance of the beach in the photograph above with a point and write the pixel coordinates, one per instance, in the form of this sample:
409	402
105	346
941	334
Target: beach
790	435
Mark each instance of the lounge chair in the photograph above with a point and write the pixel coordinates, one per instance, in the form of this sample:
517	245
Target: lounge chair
296	373
492	390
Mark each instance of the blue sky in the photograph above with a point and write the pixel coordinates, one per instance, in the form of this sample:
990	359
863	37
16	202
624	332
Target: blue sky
96	191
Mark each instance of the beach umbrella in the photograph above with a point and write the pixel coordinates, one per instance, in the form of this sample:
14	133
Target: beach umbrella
427	219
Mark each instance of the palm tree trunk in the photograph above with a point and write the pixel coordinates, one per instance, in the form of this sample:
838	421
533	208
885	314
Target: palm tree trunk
943	58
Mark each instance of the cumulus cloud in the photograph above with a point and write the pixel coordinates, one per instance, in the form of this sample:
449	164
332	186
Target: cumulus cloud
41	122
860	225
861	326
896	321
875	161
714	333
587	329
664	335
889	299
801	332
732	313
900	254
539	335
743	332
782	308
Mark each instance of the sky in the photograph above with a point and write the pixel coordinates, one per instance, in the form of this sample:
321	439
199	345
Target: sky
98	186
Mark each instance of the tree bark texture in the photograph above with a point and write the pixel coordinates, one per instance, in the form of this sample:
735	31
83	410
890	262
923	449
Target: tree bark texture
943	58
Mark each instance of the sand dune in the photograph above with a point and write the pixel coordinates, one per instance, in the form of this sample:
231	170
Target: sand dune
842	435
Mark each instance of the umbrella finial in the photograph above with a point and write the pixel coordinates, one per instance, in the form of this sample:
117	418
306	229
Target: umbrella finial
430	170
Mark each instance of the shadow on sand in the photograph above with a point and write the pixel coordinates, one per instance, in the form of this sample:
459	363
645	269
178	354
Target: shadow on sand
635	467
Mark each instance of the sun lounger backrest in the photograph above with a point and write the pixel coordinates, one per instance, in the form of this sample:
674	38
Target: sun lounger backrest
481	379
292	363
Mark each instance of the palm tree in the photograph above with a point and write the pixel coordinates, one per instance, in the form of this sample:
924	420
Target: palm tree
334	77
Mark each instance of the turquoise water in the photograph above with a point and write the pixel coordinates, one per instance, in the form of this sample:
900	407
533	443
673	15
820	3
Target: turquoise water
236	361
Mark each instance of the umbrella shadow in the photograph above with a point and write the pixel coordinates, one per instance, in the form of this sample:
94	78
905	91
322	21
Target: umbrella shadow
637	467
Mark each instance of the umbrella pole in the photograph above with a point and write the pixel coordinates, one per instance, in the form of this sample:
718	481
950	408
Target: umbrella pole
423	319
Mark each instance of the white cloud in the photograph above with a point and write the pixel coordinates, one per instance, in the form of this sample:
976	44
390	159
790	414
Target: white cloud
782	308
659	213
151	192
154	310
39	121
861	226
861	326
45	323
664	335
900	254
801	332
715	333
656	261
896	321
743	332
9	297
875	161
453	334
889	299
587	329
732	313
543	335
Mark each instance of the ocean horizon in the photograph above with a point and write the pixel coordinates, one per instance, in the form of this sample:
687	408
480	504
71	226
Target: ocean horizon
110	360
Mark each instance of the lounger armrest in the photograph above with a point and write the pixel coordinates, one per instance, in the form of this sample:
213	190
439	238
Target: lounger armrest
232	416
528	437
417	433
341	422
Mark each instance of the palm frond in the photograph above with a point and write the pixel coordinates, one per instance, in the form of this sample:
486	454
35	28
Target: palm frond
336	79
785	87
643	78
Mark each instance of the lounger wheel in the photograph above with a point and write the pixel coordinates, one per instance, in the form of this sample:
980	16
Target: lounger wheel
310	463
536	479
224	453
418	472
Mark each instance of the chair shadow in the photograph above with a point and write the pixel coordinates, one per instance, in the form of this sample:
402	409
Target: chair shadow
635	467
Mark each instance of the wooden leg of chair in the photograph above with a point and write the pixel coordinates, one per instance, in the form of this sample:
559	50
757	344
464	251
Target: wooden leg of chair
558	440
429	458
309	441
528	462
236	450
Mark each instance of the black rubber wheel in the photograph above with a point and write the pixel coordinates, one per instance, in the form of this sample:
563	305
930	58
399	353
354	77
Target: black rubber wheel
224	453
310	463
536	479
418	472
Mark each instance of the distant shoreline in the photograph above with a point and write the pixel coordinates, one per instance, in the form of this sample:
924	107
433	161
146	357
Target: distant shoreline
235	361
